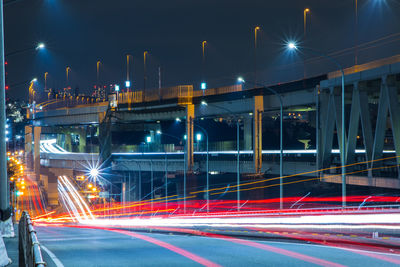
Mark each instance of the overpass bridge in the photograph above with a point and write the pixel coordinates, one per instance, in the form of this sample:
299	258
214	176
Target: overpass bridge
168	127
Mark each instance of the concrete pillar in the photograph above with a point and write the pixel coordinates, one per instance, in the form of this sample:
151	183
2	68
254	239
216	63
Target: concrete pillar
82	140
28	146
190	137
60	140
105	137
248	133
68	141
37	131
257	132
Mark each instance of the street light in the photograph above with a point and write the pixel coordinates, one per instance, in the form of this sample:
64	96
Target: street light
145	55
240	79
292	46
166	171
67	71
148	139
40	46
207	163
199	137
203	83
307	10
256	29
204	103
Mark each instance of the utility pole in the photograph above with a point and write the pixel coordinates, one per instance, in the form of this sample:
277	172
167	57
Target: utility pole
6	226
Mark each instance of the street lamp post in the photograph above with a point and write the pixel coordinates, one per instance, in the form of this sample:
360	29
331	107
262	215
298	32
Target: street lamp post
307	10
67	71
45	80
203	67
98	72
144	69
241	80
207	167
293	46
204	103
166	172
6	227
39	46
256	29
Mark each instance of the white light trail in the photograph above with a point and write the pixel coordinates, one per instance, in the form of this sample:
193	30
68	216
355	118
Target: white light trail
74	203
348	221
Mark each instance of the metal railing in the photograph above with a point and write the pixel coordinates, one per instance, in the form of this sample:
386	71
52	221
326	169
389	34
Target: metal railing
29	247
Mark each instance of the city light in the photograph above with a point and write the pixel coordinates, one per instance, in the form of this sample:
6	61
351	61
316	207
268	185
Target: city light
292	45
94	173
128	84
158	132
40	46
34	80
240	80
199	137
203	86
178	120
148	139
204	103
117	88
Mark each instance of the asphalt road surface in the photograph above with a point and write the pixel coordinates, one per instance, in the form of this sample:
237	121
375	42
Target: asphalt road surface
65	246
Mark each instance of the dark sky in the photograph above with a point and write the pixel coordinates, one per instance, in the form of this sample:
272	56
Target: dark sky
80	32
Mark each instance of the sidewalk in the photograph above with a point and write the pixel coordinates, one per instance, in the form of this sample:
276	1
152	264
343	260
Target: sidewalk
12	247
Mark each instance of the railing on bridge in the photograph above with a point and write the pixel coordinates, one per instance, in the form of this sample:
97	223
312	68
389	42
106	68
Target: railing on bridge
183	93
29	248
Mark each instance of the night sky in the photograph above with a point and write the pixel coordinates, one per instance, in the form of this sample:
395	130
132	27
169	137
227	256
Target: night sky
80	32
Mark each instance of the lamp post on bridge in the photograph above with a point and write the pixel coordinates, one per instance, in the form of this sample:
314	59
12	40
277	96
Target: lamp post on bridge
39	46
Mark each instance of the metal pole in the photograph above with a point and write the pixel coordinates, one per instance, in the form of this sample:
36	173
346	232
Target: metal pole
166	182
140	184
317	128
343	145
184	178
4	184
208	181
281	156
151	184
238	164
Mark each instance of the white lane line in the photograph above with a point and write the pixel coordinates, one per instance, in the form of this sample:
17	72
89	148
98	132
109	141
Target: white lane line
57	262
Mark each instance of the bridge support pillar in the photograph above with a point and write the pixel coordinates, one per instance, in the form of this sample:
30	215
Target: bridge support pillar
37	131
189	134
257	132
248	136
105	137
82	140
68	141
28	146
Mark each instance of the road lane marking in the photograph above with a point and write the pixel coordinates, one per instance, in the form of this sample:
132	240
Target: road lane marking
277	250
168	246
54	258
382	257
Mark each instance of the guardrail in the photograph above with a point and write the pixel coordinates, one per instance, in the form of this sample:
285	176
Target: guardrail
29	247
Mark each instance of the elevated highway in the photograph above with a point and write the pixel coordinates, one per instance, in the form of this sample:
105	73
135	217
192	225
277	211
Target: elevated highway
92	131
